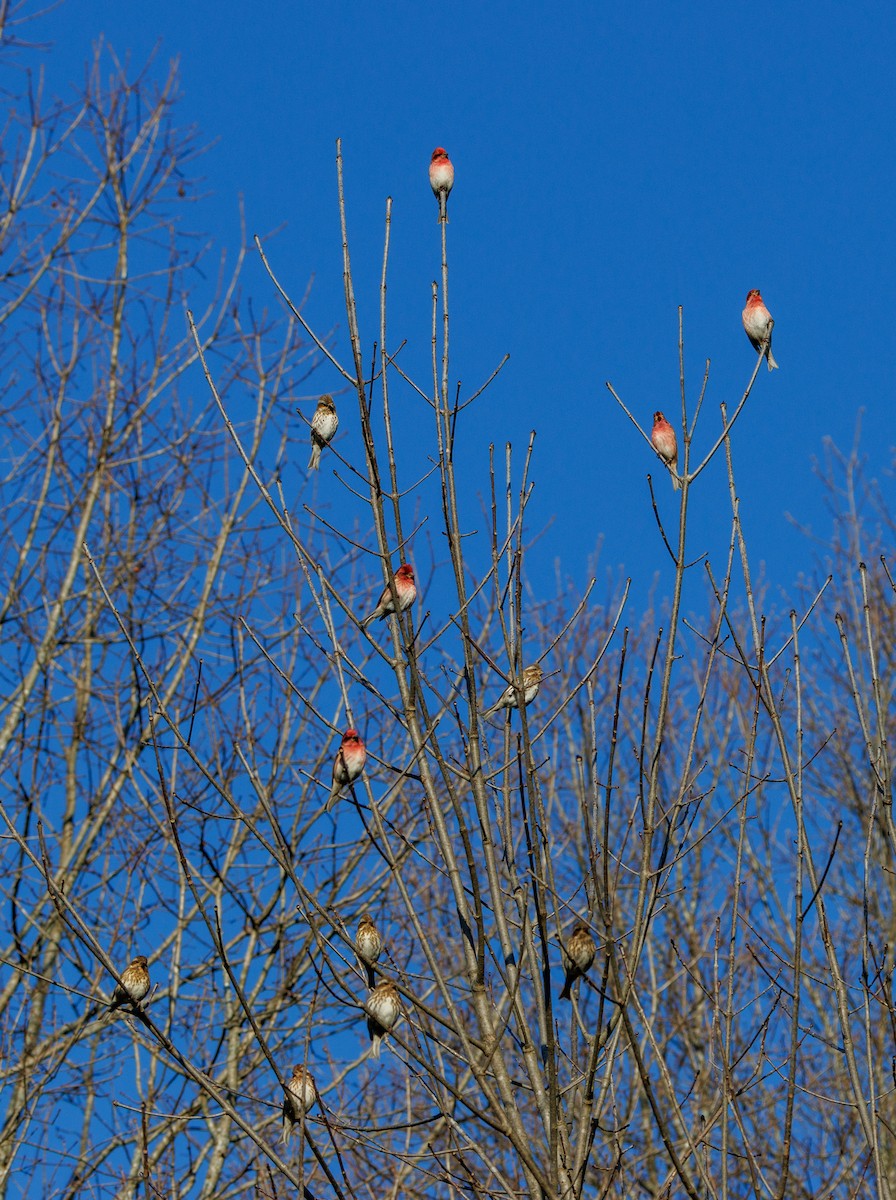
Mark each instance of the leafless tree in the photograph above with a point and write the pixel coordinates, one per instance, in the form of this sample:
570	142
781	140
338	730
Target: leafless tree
704	787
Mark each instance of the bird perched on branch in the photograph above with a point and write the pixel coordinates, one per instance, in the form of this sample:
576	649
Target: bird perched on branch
382	1007
531	682
441	178
134	984
298	1098
758	324
580	952
406	590
666	445
369	946
324	424
348	763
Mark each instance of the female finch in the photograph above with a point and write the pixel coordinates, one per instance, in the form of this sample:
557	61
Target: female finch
666	446
134	984
299	1097
580	952
369	945
405	589
382	1007
759	324
348	763
324	424
441	178
530	684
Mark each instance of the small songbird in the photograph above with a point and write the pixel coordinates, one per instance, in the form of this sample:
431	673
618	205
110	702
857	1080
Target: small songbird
299	1097
441	178
666	445
580	952
759	324
406	590
324	424
348	763
369	945
134	984
382	1007
531	683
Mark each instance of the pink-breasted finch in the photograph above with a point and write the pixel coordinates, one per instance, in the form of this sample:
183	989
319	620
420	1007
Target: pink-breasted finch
134	984
758	324
348	764
531	682
382	1007
299	1097
666	445
369	946
405	589
441	178
580	952
324	424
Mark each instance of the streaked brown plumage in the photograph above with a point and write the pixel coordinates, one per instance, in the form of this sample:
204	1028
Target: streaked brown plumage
382	1007
532	677
298	1099
135	978
580	952
324	424
369	946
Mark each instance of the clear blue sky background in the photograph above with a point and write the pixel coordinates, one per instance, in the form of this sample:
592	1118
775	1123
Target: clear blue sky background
612	162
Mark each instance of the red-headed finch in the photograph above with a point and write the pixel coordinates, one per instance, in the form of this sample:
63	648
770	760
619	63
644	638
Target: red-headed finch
134	984
405	589
324	424
382	1007
508	699
441	178
759	324
666	445
580	952
369	945
348	763
298	1098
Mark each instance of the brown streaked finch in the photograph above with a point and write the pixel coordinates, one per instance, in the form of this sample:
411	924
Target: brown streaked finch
759	324
382	1007
665	444
369	945
134	984
405	589
580	952
348	763
530	684
324	424
299	1097
441	178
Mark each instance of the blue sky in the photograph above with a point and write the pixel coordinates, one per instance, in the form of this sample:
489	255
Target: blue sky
612	162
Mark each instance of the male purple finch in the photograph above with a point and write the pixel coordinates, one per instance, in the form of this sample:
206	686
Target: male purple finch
759	324
369	945
324	424
348	763
580	952
666	445
441	178
531	682
405	589
298	1099
382	1007
134	984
